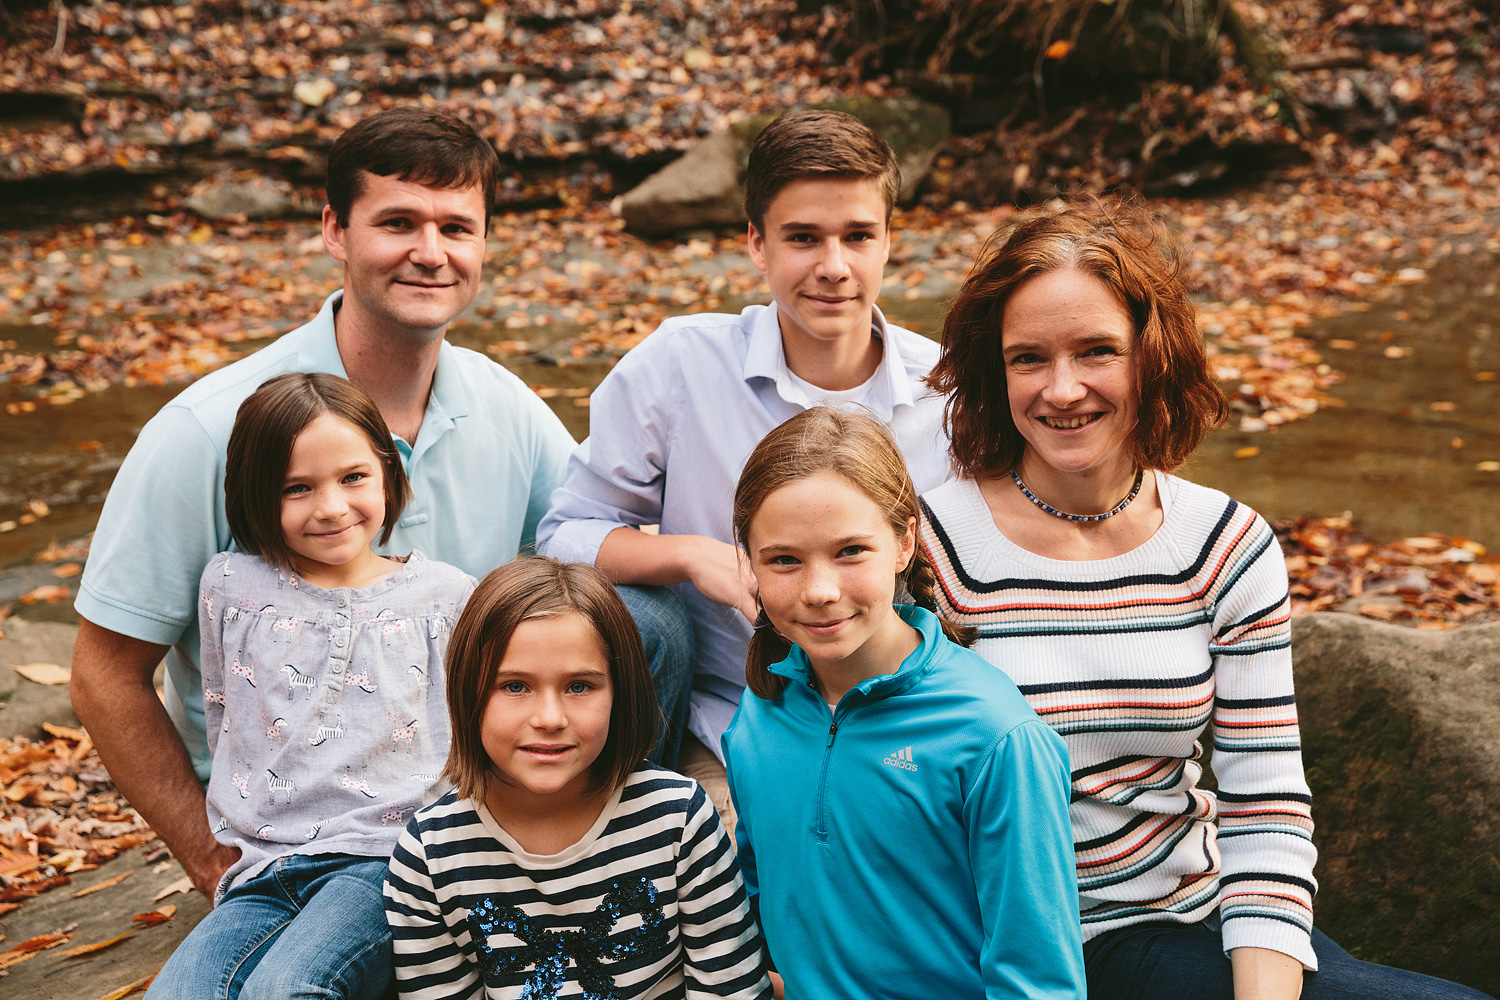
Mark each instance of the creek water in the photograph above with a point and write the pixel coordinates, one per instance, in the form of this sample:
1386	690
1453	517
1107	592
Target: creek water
1383	453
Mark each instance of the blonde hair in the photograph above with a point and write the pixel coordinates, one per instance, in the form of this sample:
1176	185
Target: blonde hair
860	449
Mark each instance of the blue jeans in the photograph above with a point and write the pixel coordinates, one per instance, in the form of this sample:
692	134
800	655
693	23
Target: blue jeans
1171	961
305	927
667	632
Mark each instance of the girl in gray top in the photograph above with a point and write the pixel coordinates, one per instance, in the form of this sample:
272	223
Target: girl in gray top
324	696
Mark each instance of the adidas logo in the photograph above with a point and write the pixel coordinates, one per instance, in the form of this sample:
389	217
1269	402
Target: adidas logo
902	759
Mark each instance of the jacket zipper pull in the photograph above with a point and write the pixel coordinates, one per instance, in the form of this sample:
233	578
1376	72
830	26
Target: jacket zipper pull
833	729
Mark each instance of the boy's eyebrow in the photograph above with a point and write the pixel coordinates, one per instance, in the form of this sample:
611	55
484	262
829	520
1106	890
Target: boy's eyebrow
812	227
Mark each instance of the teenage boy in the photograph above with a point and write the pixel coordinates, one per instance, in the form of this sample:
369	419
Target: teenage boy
409	195
671	426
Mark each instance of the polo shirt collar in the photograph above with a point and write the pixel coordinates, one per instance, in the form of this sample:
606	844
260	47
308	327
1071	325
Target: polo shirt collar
765	357
320	351
447	401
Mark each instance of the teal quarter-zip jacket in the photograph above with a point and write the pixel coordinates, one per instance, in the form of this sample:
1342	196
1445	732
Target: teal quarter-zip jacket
912	842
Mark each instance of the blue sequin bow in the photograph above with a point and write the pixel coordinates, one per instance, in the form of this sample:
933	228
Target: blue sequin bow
551	951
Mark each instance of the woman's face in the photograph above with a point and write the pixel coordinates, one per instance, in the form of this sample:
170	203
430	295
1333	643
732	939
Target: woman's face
1070	372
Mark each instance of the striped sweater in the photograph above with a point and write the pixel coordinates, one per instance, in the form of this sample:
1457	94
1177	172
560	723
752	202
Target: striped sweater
648	903
1131	659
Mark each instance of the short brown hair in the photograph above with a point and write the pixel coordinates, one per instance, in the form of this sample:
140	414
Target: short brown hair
420	145
859	448
816	143
525	590
260	449
1129	249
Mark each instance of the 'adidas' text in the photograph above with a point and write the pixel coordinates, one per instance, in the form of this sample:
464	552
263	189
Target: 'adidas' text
902	759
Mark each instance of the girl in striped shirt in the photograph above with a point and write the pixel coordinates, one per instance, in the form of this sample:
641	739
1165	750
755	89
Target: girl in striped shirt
562	864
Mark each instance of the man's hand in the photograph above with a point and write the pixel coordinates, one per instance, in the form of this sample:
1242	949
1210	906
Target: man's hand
717	569
1264	974
116	701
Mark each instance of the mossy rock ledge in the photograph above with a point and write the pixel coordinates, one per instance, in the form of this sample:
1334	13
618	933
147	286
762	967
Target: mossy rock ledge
1401	742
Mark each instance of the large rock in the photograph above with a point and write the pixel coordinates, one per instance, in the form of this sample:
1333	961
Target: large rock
239	195
704	188
25	704
1401	741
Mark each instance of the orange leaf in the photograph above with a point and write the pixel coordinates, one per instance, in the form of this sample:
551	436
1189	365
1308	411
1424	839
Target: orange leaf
125	991
50	593
153	917
64	733
86	949
102	885
1058	49
30	948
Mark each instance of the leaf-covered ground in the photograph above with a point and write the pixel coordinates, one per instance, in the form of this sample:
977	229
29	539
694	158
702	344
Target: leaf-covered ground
59	815
1389	113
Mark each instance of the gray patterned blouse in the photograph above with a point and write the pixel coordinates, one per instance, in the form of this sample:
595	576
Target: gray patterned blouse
326	709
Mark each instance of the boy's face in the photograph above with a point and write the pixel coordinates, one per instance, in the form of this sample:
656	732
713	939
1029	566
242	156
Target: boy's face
823	253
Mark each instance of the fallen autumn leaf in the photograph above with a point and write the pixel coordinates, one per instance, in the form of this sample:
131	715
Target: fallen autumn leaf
98	886
43	673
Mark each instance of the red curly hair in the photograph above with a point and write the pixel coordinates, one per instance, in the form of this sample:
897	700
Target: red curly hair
1130	250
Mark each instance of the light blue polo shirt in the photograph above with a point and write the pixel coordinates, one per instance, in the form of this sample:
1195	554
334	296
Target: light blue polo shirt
484	463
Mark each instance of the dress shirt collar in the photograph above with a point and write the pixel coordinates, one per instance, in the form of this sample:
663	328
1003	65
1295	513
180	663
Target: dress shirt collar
765	357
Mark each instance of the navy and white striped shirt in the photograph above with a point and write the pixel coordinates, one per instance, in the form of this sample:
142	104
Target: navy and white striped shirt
649	903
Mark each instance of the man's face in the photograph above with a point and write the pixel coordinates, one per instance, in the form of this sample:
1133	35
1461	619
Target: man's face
823	253
411	253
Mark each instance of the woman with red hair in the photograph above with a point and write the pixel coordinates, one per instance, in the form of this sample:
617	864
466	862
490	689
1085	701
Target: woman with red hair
1133	609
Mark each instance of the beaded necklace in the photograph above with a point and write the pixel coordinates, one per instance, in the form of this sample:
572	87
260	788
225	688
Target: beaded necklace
1140	475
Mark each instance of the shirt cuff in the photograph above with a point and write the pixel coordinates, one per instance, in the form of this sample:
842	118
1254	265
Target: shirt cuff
1275	935
578	541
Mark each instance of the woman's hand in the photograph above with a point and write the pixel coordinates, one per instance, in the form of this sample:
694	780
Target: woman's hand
778	987
1263	974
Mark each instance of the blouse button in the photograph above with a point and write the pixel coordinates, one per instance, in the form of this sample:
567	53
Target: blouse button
338	640
343	601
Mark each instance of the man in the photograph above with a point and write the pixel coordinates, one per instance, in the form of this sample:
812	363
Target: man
672	424
409	193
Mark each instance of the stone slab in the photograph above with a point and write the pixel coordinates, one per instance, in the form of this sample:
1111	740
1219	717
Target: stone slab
24	704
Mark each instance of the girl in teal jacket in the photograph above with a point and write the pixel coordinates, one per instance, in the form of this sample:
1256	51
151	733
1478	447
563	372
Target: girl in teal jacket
903	814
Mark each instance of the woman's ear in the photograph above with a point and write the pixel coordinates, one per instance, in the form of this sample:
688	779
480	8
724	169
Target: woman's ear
906	545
